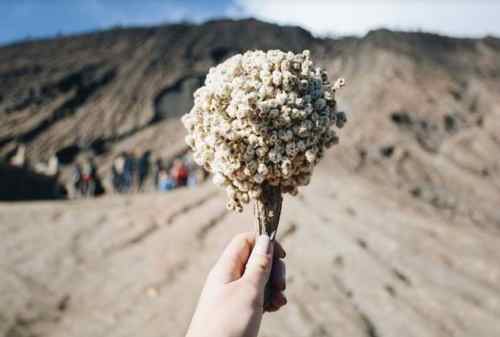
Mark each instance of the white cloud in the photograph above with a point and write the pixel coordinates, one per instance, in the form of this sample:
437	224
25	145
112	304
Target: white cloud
345	17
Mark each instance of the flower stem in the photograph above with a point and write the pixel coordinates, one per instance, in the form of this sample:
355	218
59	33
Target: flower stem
267	213
268	210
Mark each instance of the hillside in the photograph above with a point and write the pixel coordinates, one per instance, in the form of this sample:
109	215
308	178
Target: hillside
412	99
401	222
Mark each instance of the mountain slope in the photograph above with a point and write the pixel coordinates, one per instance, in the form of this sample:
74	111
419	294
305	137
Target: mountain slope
396	236
126	88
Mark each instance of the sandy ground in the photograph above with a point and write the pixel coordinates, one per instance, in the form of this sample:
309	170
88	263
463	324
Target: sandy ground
362	261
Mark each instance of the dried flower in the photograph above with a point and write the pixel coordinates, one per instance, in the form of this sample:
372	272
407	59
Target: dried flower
263	117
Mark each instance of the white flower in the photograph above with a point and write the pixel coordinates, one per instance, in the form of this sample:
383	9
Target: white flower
262	169
263	117
277	77
259	178
310	156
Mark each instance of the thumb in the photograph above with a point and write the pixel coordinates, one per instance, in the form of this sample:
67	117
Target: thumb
258	268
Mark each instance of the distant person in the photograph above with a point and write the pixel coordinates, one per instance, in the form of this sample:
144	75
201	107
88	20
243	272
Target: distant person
165	182
77	180
143	168
93	167
94	173
179	173
117	174
190	163
192	180
88	185
129	171
191	169
158	167
196	176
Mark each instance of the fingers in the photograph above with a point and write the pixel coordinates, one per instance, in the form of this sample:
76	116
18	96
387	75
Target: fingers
278	275
278	300
277	283
259	271
258	268
231	264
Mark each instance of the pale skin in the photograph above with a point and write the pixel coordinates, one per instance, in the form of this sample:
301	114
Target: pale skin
232	301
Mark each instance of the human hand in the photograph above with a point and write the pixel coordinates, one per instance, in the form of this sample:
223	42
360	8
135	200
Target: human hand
232	301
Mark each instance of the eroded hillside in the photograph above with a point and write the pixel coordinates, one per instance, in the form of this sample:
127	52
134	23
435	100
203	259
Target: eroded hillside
398	234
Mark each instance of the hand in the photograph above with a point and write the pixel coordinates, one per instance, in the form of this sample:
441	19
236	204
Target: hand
232	301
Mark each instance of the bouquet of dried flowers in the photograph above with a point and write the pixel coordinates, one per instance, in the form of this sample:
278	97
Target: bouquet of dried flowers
260	124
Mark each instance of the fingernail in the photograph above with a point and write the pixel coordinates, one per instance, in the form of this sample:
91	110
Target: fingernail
263	244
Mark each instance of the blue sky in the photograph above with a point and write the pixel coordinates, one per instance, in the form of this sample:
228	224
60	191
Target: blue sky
39	18
34	18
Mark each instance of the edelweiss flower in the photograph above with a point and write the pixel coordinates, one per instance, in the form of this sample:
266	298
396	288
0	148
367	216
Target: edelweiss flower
263	117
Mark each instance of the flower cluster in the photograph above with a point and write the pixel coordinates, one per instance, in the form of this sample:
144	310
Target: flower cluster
263	117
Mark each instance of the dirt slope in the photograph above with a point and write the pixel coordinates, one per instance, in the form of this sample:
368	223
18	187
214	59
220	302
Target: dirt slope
363	261
411	96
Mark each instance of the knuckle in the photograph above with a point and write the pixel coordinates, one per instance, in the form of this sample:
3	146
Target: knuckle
242	236
237	239
262	262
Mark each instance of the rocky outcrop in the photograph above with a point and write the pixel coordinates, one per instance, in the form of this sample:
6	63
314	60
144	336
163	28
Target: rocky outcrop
17	183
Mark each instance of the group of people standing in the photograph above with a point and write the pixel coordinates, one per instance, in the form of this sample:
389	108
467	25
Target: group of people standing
86	180
181	172
130	173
